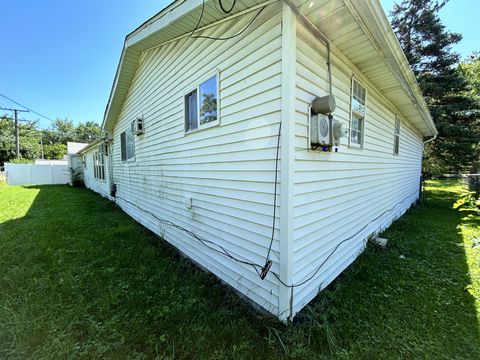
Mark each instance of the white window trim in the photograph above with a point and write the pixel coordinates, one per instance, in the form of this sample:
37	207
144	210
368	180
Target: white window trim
397	118
96	168
197	88
132	159
350	143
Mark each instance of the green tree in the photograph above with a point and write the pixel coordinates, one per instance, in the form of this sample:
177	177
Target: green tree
427	46
63	131
29	140
470	70
54	151
87	132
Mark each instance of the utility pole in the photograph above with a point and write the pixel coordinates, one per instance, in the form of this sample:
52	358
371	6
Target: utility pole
41	146
17	132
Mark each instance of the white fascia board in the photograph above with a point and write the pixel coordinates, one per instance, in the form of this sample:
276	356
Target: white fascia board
167	16
379	25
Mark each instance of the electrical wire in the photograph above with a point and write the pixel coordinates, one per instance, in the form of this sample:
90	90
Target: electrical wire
26	107
274	195
303	282
208	243
192	36
259	268
223	8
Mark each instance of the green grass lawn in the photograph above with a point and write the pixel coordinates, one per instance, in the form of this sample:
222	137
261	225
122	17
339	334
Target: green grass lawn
80	279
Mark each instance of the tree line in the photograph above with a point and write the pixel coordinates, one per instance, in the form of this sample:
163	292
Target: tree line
451	87
50	143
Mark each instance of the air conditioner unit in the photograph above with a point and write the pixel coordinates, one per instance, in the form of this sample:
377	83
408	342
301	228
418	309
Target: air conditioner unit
320	130
138	126
103	149
326	131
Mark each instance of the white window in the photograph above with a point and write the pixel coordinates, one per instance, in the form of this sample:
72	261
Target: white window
127	145
99	165
396	137
201	105
357	116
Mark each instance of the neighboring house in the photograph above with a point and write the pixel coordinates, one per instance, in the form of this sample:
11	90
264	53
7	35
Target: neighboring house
192	143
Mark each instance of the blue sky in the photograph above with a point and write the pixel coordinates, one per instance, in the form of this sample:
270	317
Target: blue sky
59	57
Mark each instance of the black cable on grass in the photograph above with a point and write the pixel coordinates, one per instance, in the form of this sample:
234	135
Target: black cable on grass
220	249
259	269
339	244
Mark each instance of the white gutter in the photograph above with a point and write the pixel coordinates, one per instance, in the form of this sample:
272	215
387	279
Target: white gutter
431	139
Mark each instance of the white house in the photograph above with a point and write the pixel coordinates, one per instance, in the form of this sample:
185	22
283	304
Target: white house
212	128
96	168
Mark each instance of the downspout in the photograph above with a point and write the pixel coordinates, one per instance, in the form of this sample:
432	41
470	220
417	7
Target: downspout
430	140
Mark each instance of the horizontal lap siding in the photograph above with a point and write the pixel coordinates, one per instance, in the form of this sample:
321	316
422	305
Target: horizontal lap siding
337	194
99	186
228	170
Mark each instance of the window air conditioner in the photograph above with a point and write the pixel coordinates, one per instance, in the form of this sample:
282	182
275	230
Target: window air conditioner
137	126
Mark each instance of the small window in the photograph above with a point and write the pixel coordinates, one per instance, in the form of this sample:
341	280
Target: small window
201	105
84	161
357	116
396	137
99	166
127	145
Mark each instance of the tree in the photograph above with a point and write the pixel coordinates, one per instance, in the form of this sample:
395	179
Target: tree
87	132
29	140
55	151
427	46
63	130
470	70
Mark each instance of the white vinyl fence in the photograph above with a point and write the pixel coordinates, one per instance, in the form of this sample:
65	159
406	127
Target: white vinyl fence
36	174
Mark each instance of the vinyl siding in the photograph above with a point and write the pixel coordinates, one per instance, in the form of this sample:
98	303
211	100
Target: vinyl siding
227	171
337	194
100	186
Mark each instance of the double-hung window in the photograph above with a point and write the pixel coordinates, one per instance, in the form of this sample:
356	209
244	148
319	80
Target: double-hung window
357	116
396	137
201	105
127	145
99	165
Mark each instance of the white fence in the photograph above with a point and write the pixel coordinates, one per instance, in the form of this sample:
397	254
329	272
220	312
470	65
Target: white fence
36	174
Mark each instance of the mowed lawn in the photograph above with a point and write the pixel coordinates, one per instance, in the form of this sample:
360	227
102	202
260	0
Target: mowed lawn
80	279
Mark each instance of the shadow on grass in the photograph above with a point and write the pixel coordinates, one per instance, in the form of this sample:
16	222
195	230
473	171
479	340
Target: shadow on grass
79	277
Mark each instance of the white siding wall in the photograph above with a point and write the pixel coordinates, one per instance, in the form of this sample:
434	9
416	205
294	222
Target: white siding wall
100	186
336	194
227	171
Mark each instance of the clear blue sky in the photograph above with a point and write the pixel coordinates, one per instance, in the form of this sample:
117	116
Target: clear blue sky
59	57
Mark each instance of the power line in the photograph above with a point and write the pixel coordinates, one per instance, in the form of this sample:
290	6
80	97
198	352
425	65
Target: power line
26	107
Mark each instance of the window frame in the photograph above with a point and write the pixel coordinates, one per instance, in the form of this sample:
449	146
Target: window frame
99	166
396	135
123	145
353	112
187	92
